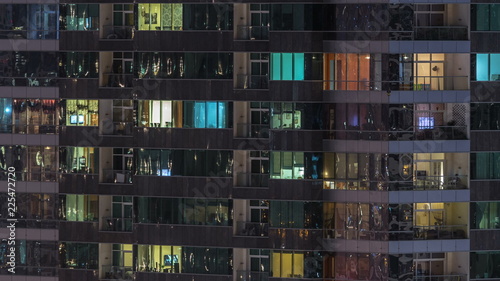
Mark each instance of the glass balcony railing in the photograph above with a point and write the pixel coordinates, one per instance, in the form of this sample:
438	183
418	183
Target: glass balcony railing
441	33
252	228
246	32
116	224
414	83
48	80
118	32
434	133
245	81
119	128
246	275
440	232
417	183
118	80
252	180
452	277
112	272
252	130
117	176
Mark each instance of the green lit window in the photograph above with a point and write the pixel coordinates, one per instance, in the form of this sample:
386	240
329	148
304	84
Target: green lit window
287	66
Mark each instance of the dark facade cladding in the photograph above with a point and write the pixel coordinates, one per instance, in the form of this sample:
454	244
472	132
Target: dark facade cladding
250	141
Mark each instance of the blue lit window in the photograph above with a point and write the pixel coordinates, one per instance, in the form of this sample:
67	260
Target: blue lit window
425	123
287	66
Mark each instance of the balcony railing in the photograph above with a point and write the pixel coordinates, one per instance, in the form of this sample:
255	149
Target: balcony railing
434	133
117	176
441	33
119	128
252	228
417	183
118	32
117	272
245	81
252	180
246	275
29	129
451	277
246	32
414	83
48	80
118	80
252	130
440	232
116	224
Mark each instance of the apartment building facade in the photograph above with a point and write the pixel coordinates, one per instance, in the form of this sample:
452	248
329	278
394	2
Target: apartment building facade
251	141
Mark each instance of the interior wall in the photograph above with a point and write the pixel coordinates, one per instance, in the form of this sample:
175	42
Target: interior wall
105	17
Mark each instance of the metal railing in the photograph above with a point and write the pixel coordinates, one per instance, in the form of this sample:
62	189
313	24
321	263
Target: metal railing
116	224
244	228
418	33
246	81
244	130
440	232
117	176
252	180
112	32
246	275
413	83
247	32
112	272
118	80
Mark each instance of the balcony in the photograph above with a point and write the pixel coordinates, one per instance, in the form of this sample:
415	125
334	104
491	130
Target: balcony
30	129
441	33
117	176
418	183
252	229
116	224
440	232
451	277
414	83
259	131
252	180
118	32
118	129
246	32
436	133
118	80
47	80
246	275
245	81
117	272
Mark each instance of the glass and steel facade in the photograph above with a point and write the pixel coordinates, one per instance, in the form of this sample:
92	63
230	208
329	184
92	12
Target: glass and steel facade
251	141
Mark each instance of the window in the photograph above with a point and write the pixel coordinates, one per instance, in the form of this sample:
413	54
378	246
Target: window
487	67
160	258
485	116
486	17
80	112
34	116
484	265
79	64
298	214
485	215
184	211
160	17
347	71
201	114
78	255
352	220
296	264
79	207
80	16
485	165
32	21
287	66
